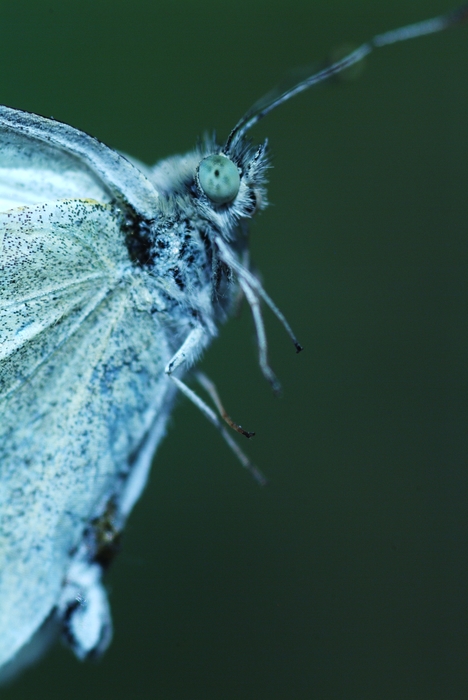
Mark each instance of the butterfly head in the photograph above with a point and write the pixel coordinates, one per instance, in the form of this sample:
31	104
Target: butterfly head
230	183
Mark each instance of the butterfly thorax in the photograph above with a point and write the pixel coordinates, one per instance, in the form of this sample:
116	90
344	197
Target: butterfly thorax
177	250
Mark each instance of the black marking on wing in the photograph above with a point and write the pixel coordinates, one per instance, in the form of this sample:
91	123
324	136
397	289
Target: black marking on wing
138	240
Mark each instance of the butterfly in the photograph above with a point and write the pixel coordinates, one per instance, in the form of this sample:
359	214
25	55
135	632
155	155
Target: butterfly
114	277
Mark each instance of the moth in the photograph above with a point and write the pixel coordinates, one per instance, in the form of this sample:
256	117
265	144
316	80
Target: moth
114	278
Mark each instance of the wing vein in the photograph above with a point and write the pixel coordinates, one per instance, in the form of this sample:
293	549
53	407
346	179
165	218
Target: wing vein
6	303
88	312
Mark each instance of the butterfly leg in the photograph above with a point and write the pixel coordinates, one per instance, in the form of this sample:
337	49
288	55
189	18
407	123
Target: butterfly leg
211	390
191	347
185	354
262	344
253	291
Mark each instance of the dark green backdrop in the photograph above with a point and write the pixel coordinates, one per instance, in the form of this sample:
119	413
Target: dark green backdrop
347	576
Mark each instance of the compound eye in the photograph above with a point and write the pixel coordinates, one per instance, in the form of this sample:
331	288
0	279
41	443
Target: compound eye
219	178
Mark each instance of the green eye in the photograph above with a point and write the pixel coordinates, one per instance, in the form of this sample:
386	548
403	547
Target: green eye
219	178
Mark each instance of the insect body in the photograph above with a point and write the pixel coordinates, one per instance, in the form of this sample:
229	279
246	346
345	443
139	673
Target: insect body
114	277
103	297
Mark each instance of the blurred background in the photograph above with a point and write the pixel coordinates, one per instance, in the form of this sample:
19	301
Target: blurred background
346	577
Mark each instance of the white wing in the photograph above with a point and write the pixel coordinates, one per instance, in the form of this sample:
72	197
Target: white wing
81	382
42	160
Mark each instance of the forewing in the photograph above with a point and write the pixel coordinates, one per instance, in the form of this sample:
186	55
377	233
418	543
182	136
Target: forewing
57	261
82	380
42	160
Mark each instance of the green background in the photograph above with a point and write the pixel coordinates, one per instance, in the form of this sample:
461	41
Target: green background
347	576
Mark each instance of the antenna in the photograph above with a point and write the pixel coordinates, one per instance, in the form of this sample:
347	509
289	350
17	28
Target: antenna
411	31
